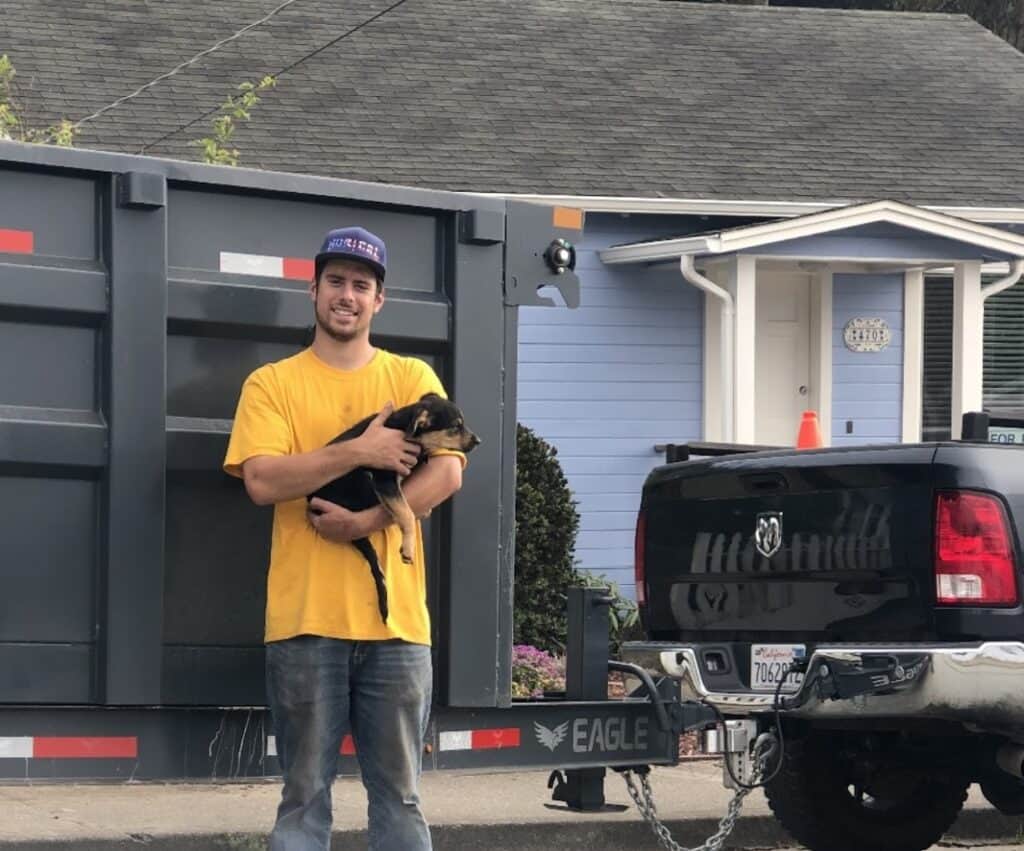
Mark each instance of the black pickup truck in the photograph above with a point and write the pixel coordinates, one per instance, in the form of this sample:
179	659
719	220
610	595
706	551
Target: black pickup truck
864	602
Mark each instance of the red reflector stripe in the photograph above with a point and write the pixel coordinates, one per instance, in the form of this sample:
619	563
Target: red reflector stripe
507	737
640	558
297	269
348	747
17	241
85	747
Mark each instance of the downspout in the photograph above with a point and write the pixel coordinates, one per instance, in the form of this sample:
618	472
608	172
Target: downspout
996	287
694	277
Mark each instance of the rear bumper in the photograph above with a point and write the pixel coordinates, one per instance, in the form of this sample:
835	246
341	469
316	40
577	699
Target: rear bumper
980	685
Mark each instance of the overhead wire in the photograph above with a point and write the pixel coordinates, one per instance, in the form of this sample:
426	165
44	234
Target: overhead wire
282	71
177	69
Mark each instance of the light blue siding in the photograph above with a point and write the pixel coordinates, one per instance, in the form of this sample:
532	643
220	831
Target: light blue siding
867	387
606	382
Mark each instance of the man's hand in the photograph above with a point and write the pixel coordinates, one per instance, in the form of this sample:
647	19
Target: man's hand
386	448
338	524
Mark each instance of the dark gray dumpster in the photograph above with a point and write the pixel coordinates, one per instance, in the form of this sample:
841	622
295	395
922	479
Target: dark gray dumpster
135	296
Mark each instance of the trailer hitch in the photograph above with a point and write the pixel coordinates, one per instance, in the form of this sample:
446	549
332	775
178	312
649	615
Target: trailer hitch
586	679
657	700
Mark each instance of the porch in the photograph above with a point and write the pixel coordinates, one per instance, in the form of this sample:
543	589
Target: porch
825	312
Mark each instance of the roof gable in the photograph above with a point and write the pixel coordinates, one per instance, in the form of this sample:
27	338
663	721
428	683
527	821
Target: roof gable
879	230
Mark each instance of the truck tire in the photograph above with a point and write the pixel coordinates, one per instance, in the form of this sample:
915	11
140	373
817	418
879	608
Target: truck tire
1004	792
815	798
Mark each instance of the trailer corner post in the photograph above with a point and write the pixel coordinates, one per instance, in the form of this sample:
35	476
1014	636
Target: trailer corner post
586	678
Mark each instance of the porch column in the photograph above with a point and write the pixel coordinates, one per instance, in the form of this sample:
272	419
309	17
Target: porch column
968	321
742	284
913	353
715	428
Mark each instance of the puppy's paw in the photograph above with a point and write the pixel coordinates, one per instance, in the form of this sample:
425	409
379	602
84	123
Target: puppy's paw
406	555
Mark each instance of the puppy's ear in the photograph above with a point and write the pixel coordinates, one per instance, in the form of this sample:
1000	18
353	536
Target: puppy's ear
420	420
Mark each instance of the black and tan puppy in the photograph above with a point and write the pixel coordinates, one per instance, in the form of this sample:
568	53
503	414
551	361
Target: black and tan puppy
434	423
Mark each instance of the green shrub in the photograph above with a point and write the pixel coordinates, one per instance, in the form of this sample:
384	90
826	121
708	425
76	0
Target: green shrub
546	527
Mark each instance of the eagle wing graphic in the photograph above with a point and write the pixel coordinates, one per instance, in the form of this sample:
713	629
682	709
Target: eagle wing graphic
551	739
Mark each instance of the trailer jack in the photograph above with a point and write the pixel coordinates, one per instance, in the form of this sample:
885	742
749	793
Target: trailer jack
586	679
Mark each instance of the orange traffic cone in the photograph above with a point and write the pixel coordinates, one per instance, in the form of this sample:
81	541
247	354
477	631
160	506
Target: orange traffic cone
809	436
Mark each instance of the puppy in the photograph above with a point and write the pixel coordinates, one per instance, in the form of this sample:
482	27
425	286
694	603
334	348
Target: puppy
434	423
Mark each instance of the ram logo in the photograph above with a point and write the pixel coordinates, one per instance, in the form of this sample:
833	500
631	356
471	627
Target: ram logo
551	739
768	534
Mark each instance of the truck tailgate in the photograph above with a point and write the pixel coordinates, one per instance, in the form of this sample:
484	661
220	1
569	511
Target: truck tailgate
829	545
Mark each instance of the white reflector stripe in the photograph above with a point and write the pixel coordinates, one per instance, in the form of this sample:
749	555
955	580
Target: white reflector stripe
252	264
347	748
479	740
16	748
456	740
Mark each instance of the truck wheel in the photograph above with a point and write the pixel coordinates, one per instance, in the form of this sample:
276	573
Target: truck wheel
1004	792
825	801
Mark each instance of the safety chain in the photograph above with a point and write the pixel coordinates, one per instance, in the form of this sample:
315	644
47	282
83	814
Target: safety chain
644	800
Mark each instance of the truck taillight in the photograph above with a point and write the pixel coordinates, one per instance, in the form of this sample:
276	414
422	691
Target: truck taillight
974	564
639	547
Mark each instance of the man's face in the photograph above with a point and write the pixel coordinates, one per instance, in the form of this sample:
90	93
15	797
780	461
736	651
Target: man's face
345	299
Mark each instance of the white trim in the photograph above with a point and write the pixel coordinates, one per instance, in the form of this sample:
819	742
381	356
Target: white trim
755	236
725	207
714	401
968	361
821	355
743	284
725	337
913	353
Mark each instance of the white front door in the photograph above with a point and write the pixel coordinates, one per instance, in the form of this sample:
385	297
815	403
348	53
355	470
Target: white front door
782	351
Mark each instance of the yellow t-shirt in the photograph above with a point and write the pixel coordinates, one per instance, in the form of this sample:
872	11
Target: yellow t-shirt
315	586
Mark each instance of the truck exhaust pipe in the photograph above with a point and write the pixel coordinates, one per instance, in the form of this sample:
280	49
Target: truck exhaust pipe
1010	758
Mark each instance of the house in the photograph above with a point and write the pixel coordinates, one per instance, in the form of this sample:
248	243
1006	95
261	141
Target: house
786	208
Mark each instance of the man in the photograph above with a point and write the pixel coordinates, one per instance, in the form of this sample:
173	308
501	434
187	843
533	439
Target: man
333	666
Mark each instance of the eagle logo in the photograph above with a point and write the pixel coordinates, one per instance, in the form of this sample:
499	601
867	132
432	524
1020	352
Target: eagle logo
551	739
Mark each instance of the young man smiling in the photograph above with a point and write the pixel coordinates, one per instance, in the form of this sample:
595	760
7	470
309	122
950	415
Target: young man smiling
333	666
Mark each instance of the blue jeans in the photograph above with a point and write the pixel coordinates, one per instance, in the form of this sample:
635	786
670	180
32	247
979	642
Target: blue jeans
319	690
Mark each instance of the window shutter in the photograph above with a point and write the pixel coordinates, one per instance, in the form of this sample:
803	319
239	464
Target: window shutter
1004	351
937	378
1003	390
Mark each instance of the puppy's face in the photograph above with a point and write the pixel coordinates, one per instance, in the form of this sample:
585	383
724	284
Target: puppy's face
438	424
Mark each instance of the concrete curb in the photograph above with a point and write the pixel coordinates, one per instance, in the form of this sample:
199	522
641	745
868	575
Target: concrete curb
758	831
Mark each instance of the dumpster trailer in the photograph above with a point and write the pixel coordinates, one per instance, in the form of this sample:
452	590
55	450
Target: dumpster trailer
135	296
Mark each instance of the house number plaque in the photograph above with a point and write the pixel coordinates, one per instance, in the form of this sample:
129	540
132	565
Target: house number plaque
864	334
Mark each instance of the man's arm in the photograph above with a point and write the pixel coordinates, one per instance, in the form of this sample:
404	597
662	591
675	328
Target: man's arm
429	486
270	479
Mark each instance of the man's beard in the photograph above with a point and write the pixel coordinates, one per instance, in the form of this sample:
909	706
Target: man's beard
325	326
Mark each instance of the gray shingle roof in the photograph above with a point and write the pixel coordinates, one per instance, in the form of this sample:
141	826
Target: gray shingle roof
580	97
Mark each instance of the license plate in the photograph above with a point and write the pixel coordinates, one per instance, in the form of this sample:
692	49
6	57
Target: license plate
769	662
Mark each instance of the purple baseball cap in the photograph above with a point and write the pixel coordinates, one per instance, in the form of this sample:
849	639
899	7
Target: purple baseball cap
354	244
